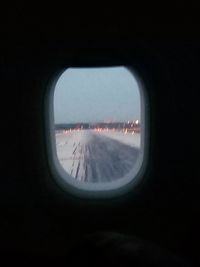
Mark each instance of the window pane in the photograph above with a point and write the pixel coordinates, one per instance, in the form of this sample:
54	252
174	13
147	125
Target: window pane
97	122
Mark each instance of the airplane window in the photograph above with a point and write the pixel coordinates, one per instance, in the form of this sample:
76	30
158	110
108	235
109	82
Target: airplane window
98	128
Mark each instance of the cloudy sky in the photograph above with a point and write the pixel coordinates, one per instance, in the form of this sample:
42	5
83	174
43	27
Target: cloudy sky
96	95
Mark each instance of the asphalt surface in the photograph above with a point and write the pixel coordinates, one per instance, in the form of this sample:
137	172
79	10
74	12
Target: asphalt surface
97	158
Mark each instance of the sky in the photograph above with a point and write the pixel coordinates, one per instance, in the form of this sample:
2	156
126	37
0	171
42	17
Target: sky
96	95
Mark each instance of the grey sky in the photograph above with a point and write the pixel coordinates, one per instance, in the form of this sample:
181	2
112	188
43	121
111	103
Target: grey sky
96	95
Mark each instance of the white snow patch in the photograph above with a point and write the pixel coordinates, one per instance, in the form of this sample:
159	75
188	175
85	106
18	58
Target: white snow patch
131	139
70	151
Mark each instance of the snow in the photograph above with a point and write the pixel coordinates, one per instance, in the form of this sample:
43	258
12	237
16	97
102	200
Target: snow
131	139
70	152
93	156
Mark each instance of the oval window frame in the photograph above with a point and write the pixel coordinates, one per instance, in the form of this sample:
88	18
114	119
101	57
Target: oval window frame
59	175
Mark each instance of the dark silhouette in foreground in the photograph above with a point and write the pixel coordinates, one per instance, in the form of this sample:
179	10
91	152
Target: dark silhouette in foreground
114	249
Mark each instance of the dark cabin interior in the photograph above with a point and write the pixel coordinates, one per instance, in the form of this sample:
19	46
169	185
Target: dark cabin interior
38	218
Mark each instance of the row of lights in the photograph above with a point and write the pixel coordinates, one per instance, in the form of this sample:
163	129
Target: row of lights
125	130
136	122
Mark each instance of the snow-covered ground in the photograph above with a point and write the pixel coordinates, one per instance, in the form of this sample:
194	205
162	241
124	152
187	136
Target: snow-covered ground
131	139
70	148
93	156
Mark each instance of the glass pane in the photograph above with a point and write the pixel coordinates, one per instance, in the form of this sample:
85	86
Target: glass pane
97	119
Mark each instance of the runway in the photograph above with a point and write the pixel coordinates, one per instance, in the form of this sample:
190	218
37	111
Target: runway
93	157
